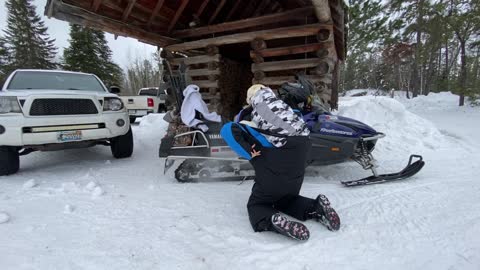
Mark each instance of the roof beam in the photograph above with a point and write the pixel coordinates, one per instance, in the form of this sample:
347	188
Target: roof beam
83	16
219	7
284	32
201	8
299	13
261	7
155	11
96	5
177	15
232	11
248	9
127	11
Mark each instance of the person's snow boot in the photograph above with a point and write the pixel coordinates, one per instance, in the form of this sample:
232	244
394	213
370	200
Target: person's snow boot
325	214
293	229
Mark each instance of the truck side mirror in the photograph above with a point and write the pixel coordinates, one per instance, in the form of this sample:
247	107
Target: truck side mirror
114	89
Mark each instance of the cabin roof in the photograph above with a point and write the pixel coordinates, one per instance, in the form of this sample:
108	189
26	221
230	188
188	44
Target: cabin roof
166	22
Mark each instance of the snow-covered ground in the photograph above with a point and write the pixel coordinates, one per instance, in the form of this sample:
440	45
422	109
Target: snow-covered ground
82	209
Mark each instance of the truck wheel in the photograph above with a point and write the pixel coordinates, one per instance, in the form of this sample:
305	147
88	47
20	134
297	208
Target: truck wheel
9	160
132	119
122	146
162	109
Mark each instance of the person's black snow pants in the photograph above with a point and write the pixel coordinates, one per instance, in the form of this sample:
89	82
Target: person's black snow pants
279	176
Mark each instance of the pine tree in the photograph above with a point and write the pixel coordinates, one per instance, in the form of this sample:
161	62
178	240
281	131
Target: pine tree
26	40
367	31
3	60
464	19
89	52
412	13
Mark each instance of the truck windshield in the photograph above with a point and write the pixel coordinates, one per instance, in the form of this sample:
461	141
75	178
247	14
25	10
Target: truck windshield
34	80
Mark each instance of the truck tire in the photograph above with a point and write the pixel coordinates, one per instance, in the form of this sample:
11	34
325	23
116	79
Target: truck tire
9	160
122	146
162	109
132	119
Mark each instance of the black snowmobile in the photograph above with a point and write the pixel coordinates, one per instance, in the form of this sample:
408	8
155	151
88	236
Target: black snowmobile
334	139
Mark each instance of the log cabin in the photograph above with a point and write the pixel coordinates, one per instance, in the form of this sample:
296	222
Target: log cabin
229	44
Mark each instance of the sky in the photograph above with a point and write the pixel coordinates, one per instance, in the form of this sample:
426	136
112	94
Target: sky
124	49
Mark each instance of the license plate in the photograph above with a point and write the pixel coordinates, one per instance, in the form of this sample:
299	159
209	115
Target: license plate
141	112
68	136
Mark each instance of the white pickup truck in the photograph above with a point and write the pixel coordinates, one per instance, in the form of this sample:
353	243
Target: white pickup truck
43	110
149	100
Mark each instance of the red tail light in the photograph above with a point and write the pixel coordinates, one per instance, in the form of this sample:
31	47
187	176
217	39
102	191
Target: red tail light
150	102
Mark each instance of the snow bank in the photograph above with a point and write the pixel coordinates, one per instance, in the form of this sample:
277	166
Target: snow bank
150	131
4	217
153	123
406	132
30	184
363	92
68	209
97	192
433	101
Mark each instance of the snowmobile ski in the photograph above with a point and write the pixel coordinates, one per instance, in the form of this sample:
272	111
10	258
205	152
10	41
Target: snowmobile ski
410	170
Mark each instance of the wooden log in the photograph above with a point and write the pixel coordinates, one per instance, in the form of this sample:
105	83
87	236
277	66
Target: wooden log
113	8
213	65
322	53
263	4
335	86
212	50
339	30
259	75
80	16
201	8
246	23
248	8
212	91
166	54
232	10
202	72
213	77
196	59
279	80
217	10
96	5
206	84
323	35
208	96
256	58
286	65
127	11
273	7
155	11
284	32
258	44
177	15
322	68
299	49
322	9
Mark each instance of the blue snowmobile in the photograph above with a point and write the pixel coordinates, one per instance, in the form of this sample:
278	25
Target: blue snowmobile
335	139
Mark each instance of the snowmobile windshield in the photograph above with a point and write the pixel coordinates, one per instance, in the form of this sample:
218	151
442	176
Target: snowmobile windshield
38	80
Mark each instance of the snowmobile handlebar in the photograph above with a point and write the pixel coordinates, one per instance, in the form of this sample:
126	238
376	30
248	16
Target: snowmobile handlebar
376	137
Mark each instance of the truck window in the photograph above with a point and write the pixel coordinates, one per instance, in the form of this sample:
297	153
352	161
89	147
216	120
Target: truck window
153	92
37	80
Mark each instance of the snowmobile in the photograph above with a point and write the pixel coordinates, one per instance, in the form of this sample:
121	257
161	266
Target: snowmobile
335	139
